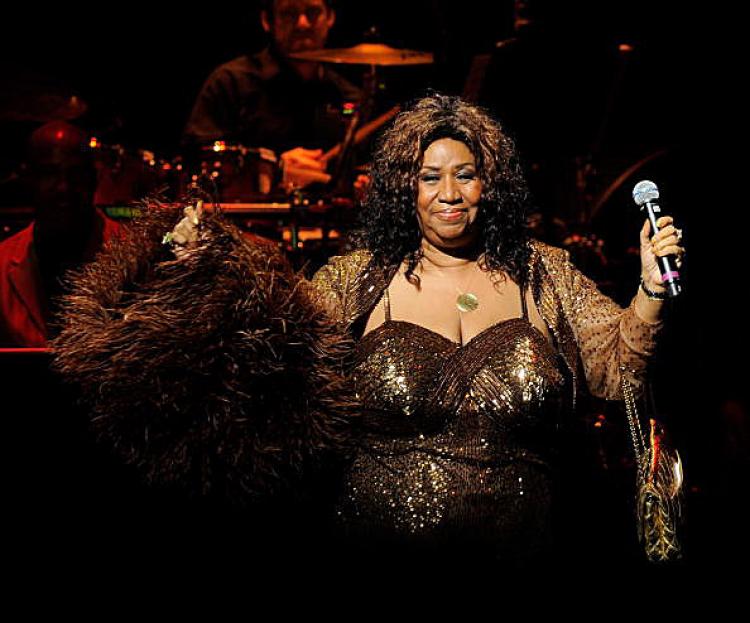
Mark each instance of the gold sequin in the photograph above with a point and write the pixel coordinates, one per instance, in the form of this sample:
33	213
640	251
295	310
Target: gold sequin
588	327
458	441
457	444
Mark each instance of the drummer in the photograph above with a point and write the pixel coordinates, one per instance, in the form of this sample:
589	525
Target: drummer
269	100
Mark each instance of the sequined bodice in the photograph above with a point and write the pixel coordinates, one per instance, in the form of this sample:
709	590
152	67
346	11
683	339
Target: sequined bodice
457	440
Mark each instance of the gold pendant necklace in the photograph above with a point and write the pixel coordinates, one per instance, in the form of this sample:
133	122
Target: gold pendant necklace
467	301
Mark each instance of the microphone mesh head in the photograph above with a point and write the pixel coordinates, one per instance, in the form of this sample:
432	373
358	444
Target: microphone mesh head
644	191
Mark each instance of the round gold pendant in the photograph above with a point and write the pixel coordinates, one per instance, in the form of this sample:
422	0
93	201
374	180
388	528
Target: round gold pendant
467	302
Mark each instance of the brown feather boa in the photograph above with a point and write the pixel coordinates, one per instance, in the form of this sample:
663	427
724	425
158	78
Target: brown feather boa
219	372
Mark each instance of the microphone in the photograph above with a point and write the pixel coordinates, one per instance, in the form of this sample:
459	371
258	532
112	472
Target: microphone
646	196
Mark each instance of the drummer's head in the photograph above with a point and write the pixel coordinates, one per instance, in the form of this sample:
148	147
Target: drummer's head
297	25
62	173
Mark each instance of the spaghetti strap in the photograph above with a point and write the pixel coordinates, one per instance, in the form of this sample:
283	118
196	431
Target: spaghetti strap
387	304
523	302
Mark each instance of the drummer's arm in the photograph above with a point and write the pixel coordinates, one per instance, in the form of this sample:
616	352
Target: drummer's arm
211	116
301	167
302	158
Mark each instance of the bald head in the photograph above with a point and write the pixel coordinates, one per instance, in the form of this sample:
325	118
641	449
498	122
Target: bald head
62	174
57	140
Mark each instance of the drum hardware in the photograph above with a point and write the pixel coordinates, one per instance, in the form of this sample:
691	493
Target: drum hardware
373	55
41	103
236	172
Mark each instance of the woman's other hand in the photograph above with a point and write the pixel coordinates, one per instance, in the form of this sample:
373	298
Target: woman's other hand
185	234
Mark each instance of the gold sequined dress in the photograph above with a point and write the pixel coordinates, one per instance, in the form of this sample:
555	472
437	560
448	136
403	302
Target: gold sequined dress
457	440
458	446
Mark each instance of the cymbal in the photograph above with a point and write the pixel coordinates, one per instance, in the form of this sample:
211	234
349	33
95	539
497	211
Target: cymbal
42	107
367	54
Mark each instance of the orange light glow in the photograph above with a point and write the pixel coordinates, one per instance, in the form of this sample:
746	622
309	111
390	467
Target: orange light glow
306	234
93	142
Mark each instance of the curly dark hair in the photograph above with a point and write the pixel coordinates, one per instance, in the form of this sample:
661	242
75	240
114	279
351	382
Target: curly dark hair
390	230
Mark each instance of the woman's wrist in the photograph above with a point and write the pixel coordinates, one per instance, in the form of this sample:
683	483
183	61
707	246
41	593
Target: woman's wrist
655	292
647	308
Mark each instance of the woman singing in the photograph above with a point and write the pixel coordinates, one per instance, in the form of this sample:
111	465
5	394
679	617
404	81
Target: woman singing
437	363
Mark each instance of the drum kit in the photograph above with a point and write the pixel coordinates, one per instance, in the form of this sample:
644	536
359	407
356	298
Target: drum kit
300	208
249	182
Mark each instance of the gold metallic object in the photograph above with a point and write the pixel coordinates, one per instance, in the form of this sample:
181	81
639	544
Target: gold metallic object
467	302
659	481
457	443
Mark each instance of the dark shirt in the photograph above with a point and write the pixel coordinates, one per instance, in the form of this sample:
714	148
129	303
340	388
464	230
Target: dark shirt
259	101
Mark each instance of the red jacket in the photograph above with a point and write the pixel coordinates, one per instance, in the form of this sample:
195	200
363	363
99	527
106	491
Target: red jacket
21	296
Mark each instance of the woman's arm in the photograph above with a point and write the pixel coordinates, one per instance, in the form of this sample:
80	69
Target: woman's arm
615	341
648	309
609	336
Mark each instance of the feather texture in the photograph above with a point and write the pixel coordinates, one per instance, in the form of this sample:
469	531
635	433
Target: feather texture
220	372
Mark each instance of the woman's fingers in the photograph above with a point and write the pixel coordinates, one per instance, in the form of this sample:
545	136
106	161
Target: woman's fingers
186	230
178	237
184	236
670	249
666	227
192	215
666	231
668	236
662	221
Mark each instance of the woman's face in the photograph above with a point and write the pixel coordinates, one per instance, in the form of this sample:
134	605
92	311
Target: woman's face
448	194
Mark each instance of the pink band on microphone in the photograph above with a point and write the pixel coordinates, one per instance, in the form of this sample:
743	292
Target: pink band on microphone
674	274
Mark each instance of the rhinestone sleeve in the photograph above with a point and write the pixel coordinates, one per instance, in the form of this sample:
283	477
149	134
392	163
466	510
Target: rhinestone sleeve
608	335
337	284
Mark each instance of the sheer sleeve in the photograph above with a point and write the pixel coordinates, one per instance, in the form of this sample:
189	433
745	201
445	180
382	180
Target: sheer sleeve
336	285
608	336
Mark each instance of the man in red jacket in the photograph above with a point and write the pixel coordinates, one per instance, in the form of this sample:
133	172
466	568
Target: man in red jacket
67	232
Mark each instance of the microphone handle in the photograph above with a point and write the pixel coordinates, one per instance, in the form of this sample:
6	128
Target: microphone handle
669	273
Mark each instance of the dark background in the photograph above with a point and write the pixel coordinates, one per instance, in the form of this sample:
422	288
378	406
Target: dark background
144	62
567	95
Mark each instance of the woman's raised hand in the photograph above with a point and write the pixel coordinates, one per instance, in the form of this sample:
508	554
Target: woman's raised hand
184	236
667	241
